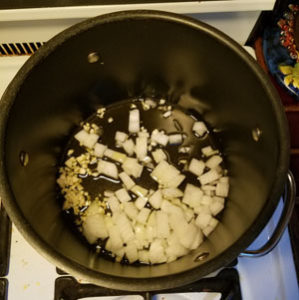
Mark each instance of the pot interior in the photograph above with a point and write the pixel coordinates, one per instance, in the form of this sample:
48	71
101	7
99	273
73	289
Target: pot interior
141	55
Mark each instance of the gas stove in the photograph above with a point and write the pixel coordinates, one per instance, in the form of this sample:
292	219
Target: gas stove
27	275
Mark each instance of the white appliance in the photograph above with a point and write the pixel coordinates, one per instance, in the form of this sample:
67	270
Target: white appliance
30	276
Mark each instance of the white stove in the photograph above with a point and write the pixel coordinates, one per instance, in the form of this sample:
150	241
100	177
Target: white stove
30	276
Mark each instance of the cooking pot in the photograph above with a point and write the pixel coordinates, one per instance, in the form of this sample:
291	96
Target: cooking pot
125	55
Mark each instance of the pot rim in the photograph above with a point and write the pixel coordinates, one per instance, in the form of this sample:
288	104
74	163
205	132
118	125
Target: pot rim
155	283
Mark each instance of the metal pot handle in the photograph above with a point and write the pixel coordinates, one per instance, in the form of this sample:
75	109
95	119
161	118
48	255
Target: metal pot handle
289	202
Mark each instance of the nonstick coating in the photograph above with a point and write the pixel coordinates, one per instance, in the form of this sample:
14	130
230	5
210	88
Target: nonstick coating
141	53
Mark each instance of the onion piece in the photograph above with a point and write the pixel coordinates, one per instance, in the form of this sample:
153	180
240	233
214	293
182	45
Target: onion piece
196	167
167	175
159	137
203	220
94	228
130	210
222	189
132	167
143	215
214	161
156	199
175	139
151	103
224	179
209	177
217	205
192	195
113	204
211	226
124	226
107	168
185	149
175	249
122	195
156	252
197	240
86	139
139	191
170	193
120	137
143	256
162	224
115	155
127	180
115	241
199	128
140	202
151	229
159	155
134	121
129	146
208	151
131	252
99	149
141	147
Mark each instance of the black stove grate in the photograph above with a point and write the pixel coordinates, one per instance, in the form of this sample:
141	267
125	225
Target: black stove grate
3	288
5	238
225	282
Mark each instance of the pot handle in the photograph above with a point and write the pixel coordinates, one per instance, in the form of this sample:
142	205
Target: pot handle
289	202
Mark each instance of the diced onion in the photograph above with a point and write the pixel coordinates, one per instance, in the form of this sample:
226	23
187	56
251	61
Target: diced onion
139	191
159	155
208	177
199	128
113	204
122	195
143	215
107	168
170	193
132	167
214	161
141	147
94	228
140	202
127	180
208	151
222	189
156	199
86	139
115	155
196	166
129	147
159	137
134	121
120	136
167	175
99	149
192	195
130	210
162	224
175	139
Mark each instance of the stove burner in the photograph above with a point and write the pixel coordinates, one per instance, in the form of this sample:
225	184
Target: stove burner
3	288
226	283
5	237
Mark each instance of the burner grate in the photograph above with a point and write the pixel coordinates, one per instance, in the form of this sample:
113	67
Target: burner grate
18	49
3	288
5	238
226	283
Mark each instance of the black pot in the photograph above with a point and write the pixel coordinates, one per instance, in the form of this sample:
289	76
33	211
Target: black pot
140	53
